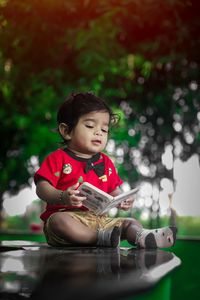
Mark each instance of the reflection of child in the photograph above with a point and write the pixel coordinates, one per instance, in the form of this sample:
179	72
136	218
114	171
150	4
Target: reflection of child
83	123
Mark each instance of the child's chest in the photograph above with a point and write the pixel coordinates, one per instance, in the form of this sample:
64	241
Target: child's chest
73	173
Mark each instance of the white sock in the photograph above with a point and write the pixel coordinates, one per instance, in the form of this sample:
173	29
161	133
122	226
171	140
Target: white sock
156	238
109	237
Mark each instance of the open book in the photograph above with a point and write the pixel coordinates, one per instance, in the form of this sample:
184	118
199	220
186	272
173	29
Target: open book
100	202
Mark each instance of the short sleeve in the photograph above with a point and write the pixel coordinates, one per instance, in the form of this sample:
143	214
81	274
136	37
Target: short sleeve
114	179
50	169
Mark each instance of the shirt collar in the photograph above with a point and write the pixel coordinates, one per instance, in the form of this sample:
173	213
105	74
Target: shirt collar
92	159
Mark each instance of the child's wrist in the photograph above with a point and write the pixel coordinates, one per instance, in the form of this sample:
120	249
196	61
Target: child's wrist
60	198
63	197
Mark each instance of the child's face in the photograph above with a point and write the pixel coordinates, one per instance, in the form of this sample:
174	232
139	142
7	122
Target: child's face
90	134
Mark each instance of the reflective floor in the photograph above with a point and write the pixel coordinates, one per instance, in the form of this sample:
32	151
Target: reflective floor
33	271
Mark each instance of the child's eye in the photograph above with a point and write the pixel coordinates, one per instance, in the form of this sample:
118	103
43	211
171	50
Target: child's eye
89	126
104	130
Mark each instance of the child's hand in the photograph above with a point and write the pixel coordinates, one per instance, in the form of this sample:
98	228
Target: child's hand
126	204
72	196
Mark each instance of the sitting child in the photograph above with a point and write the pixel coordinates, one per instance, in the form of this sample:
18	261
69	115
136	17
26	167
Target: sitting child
83	123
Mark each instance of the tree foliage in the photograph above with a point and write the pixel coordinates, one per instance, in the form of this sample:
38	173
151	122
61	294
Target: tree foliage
143	57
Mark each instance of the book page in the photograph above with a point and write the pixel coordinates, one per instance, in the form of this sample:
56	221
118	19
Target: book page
96	199
120	198
99	201
125	195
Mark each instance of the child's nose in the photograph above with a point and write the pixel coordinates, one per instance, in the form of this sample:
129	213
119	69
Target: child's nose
98	132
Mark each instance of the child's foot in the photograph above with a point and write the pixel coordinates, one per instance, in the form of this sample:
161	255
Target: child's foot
156	238
109	237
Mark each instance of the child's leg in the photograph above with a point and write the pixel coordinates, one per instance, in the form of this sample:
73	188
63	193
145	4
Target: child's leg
145	238
73	231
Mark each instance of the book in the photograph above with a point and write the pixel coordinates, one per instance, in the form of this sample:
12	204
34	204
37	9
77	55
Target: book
99	201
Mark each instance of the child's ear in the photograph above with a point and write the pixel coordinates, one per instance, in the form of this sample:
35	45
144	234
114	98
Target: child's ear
64	131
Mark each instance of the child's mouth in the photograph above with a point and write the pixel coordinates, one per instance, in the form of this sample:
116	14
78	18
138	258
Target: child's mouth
97	142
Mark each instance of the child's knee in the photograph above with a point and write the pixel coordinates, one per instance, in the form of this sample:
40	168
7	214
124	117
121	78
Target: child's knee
60	222
130	222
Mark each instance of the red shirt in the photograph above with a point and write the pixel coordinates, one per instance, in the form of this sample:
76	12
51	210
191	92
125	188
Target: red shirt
62	169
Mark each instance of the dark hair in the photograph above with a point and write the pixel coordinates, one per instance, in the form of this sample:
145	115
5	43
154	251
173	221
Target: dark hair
79	104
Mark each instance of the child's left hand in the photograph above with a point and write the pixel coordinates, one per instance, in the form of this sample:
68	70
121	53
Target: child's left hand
126	204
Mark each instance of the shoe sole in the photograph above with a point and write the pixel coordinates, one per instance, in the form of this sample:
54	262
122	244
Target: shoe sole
150	241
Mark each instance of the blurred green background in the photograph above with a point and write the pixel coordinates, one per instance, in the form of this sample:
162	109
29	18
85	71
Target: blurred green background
141	56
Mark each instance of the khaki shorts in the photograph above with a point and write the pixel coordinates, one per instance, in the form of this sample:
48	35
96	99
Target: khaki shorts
86	218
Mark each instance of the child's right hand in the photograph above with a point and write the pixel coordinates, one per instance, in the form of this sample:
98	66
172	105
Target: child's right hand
71	196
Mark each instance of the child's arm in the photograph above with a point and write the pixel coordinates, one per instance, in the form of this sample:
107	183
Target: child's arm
51	195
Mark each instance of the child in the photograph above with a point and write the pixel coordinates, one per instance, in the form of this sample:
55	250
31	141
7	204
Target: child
83	123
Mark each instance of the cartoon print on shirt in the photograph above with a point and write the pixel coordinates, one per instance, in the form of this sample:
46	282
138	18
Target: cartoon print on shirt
57	174
67	168
104	178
